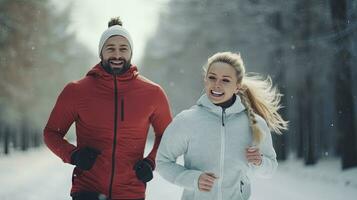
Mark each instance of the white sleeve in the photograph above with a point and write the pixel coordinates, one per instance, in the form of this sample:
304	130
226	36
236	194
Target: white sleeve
269	163
174	143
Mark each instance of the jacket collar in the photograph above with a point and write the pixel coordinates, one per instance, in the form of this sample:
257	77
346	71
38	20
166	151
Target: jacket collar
98	71
237	107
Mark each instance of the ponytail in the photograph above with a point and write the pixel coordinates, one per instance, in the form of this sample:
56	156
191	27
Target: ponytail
260	97
256	132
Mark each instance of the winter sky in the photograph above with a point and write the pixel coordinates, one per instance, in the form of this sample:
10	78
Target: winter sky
89	19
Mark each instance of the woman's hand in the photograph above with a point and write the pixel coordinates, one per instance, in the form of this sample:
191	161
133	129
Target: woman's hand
206	181
253	155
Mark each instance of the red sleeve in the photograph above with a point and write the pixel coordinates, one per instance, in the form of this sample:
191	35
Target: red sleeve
160	119
62	117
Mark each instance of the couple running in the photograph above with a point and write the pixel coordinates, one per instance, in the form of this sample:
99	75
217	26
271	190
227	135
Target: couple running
224	138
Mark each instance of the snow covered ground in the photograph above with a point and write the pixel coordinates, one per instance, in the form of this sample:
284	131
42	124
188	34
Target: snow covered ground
39	175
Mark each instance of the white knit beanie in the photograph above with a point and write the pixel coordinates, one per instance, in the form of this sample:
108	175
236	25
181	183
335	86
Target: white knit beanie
111	31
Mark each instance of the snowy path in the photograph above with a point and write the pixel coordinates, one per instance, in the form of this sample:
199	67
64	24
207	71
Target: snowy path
39	175
289	186
34	175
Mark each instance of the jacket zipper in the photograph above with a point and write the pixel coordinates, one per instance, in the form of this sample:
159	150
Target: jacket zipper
223	143
223	115
115	134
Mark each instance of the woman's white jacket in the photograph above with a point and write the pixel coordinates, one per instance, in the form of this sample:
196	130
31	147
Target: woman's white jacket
213	140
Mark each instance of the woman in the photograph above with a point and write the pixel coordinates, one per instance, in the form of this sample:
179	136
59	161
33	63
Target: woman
225	137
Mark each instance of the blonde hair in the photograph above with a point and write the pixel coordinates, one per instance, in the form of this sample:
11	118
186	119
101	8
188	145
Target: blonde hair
257	94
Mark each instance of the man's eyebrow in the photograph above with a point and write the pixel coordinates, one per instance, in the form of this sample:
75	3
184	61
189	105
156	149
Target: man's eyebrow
111	45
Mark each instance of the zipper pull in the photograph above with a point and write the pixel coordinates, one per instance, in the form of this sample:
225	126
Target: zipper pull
223	115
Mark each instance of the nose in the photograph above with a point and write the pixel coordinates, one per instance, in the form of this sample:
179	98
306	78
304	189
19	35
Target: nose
117	54
217	83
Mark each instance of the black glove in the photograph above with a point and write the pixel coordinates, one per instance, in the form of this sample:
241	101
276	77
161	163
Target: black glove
84	158
143	170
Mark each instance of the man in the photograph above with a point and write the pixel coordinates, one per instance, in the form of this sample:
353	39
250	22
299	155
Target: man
112	107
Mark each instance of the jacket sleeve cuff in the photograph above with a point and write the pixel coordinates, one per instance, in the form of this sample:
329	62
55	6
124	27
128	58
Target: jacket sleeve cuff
67	155
72	154
151	162
188	179
266	169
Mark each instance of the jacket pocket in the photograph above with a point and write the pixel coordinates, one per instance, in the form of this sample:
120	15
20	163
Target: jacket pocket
244	187
122	109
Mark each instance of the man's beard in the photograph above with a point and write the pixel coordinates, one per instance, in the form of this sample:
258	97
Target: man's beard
115	70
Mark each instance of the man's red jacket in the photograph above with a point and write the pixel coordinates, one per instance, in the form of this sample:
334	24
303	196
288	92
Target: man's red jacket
113	117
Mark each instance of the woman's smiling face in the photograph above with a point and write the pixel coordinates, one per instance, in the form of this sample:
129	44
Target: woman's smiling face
221	82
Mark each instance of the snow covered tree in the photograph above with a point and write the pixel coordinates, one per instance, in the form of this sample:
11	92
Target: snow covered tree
38	56
346	120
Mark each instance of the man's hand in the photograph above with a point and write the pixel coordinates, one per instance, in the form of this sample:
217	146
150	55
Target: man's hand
84	158
143	170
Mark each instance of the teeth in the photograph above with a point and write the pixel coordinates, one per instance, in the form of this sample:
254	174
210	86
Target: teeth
116	62
218	93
